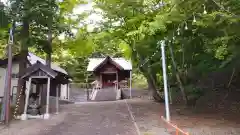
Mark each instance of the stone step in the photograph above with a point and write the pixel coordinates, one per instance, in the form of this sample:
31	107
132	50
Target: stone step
109	94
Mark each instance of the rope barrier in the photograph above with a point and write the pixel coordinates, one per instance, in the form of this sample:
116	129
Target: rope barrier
17	104
177	129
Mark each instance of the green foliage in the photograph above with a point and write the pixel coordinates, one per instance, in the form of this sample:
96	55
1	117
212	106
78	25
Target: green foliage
139	81
209	43
194	92
133	29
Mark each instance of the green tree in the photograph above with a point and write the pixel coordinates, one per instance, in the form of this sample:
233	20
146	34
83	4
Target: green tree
141	24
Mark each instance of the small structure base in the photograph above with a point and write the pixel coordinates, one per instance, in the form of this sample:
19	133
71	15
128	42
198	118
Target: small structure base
35	116
24	117
46	116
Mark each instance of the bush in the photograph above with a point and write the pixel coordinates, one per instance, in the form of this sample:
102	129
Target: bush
193	94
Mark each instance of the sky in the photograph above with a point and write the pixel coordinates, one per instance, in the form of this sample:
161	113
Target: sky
4	1
93	18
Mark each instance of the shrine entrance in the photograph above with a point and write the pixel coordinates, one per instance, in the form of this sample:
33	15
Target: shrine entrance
108	79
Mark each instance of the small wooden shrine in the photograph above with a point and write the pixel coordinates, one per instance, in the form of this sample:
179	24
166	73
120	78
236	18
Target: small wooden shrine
47	81
109	72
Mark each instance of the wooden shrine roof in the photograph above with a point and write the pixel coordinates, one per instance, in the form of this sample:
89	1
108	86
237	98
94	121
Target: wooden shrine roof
36	70
94	63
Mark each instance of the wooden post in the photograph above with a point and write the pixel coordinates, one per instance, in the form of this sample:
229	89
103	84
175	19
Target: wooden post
117	79
24	115
87	92
68	92
57	98
130	84
87	88
46	115
40	92
101	82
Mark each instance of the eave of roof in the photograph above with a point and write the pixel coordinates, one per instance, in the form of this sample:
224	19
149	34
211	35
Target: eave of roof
32	59
95	62
38	65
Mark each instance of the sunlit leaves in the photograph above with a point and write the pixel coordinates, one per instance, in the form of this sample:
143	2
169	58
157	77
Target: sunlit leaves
221	52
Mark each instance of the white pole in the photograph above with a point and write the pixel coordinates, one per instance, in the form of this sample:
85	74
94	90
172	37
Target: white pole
57	98
24	115
46	116
130	84
165	81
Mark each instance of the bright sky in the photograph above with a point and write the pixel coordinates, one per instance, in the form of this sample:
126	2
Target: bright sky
93	19
4	1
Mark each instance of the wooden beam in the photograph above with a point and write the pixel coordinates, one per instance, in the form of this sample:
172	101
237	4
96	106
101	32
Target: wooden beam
40	93
46	115
106	72
117	79
101	82
130	84
36	77
58	89
24	115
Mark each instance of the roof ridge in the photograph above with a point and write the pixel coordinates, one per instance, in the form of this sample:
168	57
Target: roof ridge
37	58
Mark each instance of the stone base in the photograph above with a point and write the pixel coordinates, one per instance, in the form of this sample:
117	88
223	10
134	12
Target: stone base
24	117
35	116
46	116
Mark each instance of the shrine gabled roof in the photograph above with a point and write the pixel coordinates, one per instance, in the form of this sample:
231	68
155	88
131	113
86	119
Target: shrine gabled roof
95	62
32	58
39	66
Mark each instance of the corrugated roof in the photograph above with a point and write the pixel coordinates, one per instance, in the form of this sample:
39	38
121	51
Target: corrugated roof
95	62
33	59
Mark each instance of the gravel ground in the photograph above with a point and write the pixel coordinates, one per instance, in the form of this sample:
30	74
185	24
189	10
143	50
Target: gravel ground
31	127
148	113
94	118
125	117
102	118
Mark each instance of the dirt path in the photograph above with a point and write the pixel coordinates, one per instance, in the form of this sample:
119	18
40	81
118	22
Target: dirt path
125	117
103	118
147	114
94	118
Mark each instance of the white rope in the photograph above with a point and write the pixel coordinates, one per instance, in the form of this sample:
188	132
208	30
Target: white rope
151	57
133	118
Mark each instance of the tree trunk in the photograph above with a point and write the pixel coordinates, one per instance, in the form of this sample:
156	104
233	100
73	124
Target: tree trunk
49	49
48	60
153	90
152	87
23	64
176	72
149	76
